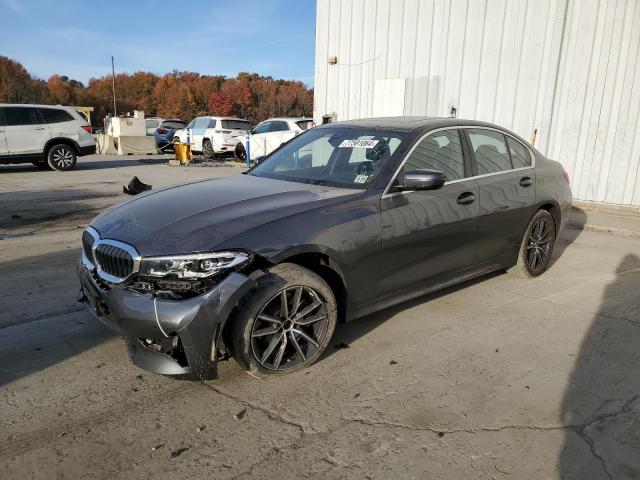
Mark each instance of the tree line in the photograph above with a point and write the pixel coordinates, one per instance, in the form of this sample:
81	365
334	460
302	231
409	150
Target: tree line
183	95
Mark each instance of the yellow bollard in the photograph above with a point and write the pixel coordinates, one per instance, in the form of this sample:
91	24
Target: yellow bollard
183	153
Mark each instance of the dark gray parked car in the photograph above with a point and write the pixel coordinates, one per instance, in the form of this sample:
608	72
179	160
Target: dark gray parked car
343	220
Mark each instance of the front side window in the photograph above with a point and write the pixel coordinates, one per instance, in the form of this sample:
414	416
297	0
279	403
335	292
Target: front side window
520	156
15	116
440	151
490	151
262	128
339	157
55	115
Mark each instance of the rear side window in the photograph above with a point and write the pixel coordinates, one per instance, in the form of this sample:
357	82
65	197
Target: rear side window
490	151
15	116
520	156
304	124
55	115
212	123
278	126
235	125
441	151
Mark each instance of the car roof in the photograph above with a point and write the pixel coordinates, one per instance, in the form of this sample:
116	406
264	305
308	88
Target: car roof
412	123
289	119
223	118
39	105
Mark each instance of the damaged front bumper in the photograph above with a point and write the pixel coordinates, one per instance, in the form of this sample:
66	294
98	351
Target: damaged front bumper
166	336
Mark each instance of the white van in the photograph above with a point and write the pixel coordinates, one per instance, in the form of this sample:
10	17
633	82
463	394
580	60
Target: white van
213	136
44	135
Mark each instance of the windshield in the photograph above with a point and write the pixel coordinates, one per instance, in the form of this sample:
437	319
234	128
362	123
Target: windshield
339	157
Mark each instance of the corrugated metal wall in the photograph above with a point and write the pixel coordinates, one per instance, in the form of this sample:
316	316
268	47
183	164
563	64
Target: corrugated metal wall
568	68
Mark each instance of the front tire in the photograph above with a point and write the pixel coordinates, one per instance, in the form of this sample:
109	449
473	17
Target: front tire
207	149
61	157
285	322
536	248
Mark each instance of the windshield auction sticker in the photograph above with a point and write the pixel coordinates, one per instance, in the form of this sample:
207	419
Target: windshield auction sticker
358	143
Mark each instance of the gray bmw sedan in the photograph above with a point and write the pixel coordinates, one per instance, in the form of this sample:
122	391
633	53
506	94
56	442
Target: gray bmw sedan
343	220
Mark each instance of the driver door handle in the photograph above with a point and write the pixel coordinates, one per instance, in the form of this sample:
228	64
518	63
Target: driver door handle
466	198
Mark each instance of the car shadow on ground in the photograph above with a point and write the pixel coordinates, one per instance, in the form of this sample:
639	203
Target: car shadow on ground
23	212
89	163
349	332
601	405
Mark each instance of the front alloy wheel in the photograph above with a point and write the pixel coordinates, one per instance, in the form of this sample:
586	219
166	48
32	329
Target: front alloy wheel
284	323
289	328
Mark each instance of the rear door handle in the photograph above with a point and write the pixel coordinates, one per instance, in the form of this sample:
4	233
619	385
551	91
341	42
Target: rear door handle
466	198
526	182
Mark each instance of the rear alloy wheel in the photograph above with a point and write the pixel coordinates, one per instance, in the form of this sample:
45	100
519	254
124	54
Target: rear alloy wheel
240	153
285	322
207	149
61	157
537	246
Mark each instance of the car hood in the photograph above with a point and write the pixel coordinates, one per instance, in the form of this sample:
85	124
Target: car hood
199	216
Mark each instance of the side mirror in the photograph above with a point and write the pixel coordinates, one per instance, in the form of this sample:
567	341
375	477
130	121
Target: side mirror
421	180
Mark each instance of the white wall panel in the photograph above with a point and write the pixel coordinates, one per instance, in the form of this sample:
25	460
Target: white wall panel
568	68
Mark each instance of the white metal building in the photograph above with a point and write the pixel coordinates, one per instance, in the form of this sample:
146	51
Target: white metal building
569	69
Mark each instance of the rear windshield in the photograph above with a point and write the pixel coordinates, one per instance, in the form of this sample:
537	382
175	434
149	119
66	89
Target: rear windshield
236	125
173	124
305	124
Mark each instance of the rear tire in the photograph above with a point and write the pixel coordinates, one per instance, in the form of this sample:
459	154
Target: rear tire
536	248
267	338
207	149
61	157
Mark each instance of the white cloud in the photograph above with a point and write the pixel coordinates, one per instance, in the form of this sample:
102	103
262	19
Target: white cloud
14	6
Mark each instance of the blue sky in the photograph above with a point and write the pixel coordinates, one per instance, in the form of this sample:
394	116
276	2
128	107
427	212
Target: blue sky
77	38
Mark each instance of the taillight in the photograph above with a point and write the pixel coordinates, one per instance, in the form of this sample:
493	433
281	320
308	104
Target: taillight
162	131
566	176
87	128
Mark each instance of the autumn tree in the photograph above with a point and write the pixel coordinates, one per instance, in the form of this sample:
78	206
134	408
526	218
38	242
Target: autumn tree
220	104
18	86
183	95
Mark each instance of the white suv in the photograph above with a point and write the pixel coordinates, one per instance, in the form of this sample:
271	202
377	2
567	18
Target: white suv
269	135
212	136
44	135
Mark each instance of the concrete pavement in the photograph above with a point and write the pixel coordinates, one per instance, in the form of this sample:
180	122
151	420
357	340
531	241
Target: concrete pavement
496	378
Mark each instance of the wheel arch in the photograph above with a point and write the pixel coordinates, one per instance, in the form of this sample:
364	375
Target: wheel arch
554	209
61	140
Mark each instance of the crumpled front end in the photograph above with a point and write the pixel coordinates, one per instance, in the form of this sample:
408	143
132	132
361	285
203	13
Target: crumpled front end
170	337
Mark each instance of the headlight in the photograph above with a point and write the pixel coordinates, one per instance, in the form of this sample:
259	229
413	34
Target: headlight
192	266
